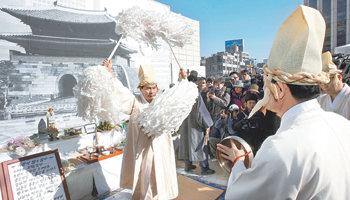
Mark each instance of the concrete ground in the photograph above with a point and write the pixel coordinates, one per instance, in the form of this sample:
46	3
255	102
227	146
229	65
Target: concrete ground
219	177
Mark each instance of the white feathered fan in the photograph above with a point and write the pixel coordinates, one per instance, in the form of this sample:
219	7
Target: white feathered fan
96	99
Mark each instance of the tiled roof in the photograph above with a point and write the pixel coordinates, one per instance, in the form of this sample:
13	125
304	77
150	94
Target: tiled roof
59	15
23	39
63	40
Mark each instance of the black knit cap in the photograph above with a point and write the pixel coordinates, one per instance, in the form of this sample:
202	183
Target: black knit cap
250	96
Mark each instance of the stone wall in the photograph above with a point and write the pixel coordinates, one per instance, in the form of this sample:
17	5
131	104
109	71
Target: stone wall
44	76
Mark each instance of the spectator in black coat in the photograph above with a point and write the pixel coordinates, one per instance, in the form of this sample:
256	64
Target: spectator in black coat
256	129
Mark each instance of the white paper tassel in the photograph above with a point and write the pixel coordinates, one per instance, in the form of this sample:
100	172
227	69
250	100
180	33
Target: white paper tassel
166	112
96	95
147	25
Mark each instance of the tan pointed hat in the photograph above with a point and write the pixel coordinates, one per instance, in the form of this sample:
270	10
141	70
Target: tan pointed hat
295	56
147	75
328	65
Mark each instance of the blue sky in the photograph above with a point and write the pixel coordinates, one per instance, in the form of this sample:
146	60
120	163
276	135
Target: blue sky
255	21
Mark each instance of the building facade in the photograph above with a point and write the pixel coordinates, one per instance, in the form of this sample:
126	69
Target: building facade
189	55
337	16
222	63
233	59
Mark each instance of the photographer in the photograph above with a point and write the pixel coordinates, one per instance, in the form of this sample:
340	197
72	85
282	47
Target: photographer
235	77
231	80
217	98
246	79
256	129
208	86
222	127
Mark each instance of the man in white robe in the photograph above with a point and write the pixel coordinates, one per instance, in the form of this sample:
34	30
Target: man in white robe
309	156
148	166
337	97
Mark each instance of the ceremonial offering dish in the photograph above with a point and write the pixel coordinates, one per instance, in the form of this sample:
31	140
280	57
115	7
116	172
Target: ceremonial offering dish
72	131
239	143
105	126
92	157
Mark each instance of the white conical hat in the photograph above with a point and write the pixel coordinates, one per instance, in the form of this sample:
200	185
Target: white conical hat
328	65
295	56
147	75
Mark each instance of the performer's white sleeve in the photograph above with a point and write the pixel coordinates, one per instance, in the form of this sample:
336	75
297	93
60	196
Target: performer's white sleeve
236	171
268	178
167	111
126	99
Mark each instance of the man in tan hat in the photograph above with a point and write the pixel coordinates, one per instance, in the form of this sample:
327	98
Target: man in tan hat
148	166
337	97
309	155
254	88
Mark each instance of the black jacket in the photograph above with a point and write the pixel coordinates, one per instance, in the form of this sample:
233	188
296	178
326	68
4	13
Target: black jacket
256	129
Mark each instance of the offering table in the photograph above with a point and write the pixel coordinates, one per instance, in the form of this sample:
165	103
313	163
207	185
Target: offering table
84	180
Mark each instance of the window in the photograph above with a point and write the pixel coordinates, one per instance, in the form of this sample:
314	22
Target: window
326	12
313	3
341	22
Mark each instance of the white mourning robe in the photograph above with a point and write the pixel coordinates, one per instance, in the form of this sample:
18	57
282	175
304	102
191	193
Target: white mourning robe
341	103
148	166
308	158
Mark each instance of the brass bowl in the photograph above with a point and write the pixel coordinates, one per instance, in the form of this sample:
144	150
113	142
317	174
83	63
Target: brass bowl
240	143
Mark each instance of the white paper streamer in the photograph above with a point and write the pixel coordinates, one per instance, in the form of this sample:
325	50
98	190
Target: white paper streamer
146	25
96	95
166	112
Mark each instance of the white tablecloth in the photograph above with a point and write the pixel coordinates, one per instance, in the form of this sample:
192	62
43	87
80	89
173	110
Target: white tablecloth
106	174
80	181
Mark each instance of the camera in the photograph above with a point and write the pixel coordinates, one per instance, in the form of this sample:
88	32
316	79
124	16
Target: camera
233	107
211	89
228	82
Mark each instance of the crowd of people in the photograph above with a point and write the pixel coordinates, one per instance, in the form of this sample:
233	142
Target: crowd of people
229	100
226	103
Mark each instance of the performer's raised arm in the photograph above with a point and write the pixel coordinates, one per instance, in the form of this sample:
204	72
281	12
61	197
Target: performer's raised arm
108	64
102	97
124	96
